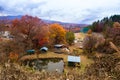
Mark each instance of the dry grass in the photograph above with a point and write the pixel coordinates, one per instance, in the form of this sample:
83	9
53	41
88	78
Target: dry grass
13	71
85	62
45	55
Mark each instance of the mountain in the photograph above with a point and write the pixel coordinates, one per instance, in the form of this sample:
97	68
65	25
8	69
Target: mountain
67	25
10	17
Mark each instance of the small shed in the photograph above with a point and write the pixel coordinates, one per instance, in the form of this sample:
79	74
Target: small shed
58	46
30	51
73	60
44	49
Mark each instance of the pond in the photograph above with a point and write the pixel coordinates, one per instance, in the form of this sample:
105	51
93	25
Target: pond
49	65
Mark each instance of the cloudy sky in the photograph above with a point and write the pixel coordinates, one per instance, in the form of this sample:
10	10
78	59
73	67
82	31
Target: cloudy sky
77	11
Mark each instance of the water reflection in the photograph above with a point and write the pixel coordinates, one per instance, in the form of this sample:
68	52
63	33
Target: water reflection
49	65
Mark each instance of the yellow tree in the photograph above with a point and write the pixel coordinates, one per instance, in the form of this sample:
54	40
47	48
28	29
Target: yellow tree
57	34
116	25
89	31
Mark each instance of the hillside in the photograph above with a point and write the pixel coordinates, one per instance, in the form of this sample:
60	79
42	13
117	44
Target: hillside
67	25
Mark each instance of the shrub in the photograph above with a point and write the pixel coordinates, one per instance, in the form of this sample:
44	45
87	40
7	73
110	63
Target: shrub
13	56
104	68
70	37
89	43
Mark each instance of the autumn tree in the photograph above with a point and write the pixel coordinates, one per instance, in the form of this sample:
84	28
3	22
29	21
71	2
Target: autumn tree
29	31
89	42
70	37
57	34
4	24
116	25
6	47
113	34
43	36
89	31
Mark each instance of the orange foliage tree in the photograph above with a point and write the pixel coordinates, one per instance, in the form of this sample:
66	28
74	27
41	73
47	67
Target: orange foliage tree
30	31
57	34
116	25
43	36
89	31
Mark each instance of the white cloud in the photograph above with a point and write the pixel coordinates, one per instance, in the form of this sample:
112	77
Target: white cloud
79	11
